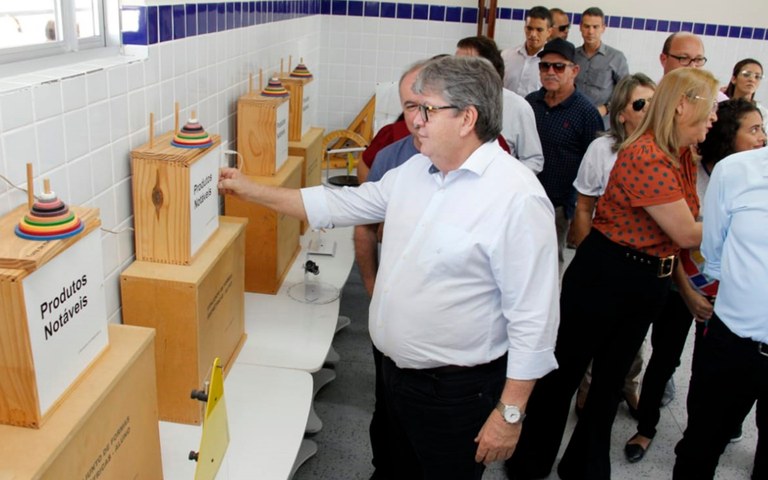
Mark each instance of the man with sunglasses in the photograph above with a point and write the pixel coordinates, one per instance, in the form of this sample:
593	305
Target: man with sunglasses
567	123
465	305
521	63
600	66
561	24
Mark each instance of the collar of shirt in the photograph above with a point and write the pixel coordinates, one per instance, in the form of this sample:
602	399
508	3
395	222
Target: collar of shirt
523	52
539	98
478	161
601	50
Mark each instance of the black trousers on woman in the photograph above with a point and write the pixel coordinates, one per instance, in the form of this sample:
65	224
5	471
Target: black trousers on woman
606	305
670	330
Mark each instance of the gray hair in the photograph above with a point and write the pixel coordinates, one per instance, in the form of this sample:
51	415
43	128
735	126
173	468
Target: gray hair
466	82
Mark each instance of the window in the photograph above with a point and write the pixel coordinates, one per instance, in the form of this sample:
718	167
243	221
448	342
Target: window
35	28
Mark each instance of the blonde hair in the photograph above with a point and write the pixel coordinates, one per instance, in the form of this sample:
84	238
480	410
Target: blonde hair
698	86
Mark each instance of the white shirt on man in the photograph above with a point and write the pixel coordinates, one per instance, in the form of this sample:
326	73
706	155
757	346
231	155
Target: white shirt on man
521	71
468	264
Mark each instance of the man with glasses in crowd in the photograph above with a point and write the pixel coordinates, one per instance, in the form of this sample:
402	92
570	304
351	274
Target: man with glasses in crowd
567	123
521	63
561	24
465	305
684	49
600	66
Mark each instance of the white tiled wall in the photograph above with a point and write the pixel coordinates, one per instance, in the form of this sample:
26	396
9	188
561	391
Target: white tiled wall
79	131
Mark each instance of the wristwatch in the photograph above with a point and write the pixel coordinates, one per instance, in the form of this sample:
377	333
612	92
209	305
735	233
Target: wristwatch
510	413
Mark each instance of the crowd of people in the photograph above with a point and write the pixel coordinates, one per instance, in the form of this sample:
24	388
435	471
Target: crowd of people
481	337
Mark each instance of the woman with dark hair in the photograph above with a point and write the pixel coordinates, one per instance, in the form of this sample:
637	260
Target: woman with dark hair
745	79
739	127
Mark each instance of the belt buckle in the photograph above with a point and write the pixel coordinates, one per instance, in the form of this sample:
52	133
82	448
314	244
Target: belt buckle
762	349
666	265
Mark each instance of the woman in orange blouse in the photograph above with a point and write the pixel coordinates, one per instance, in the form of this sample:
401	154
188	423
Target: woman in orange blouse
618	280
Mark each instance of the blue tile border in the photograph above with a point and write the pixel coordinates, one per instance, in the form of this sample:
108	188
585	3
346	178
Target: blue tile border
165	23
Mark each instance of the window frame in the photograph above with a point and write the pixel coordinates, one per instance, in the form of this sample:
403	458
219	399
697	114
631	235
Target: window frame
69	44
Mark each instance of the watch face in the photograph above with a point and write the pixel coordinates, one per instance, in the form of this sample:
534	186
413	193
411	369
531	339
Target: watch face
512	414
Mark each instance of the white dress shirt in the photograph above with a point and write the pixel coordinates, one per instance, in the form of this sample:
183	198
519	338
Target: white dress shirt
596	167
521	71
468	264
735	244
519	130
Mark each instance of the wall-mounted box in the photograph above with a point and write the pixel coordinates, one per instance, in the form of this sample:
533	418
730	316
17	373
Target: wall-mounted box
272	239
175	199
105	428
262	133
197	311
53	320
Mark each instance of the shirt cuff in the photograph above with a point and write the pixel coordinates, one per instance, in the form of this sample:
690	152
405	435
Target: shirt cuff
316	206
530	365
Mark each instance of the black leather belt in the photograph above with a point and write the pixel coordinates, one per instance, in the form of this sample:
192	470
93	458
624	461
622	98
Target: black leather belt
661	266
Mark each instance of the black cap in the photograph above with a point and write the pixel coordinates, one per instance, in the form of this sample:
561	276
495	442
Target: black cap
560	47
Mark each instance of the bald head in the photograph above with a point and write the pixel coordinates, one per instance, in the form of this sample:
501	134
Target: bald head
682	49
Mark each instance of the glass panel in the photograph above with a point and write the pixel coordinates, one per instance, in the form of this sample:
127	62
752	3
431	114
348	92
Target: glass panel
28	22
87	14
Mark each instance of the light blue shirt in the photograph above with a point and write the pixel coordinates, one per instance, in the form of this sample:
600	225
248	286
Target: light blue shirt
468	266
735	242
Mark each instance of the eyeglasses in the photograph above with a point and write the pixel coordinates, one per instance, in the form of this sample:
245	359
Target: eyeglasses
714	102
686	61
640	103
748	74
425	109
558	66
563	28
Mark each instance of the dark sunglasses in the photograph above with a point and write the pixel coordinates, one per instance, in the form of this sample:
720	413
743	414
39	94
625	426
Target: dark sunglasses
558	66
563	28
639	104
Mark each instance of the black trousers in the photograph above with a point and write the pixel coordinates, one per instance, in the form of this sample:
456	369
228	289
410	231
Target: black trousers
668	336
728	376
606	306
435	415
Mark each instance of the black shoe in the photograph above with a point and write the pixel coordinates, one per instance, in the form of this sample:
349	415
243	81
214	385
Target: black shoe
634	451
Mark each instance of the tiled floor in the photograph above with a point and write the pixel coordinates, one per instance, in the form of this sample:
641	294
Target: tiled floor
345	407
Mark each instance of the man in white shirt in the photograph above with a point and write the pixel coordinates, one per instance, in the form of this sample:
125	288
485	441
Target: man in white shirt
521	72
465	303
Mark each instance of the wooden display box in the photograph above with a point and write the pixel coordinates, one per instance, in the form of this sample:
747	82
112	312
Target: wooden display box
262	133
52	316
301	104
198	313
272	239
106	427
175	201
310	149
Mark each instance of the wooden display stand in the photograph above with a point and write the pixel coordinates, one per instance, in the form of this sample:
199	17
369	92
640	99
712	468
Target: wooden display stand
198	313
105	428
310	149
262	133
49	333
301	101
175	201
272	239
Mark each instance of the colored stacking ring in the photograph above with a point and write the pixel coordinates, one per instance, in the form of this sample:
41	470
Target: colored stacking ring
31	219
51	234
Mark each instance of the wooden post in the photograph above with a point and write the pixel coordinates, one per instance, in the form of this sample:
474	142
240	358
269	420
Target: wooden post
46	186
250	83
281	67
261	80
151	129
290	61
176	119
30	187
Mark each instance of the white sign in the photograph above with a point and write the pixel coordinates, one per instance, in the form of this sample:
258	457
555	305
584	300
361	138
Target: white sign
66	317
308	108
281	135
203	198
